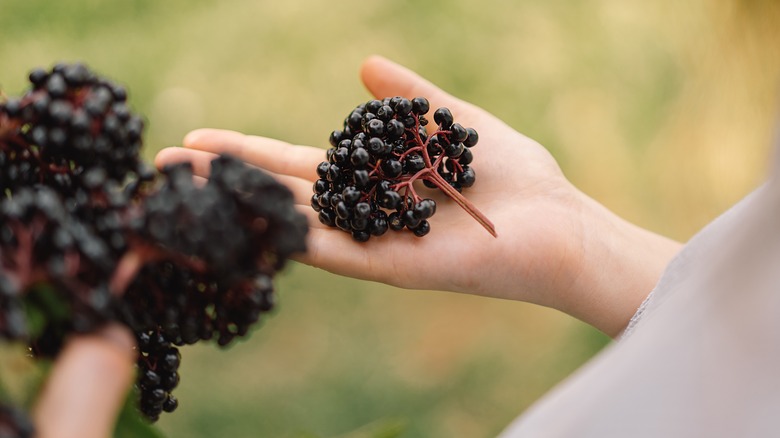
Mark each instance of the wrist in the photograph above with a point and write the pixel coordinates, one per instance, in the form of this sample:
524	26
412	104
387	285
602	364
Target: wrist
619	264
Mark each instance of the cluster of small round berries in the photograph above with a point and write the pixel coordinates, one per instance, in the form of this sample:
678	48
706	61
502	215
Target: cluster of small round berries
366	186
158	374
218	246
73	121
90	234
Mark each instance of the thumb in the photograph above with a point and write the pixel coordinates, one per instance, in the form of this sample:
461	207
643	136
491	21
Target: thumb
384	78
87	386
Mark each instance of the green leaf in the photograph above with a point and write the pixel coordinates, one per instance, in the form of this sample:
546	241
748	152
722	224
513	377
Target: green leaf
130	424
36	320
43	305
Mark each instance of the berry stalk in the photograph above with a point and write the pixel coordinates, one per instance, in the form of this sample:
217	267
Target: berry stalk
461	200
444	186
366	184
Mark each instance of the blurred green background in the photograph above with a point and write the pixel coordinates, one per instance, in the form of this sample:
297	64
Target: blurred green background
660	110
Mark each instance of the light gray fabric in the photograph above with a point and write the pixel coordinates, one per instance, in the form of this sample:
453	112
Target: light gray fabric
702	359
640	312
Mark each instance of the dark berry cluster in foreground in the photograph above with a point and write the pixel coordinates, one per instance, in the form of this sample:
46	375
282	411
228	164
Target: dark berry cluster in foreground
366	186
89	234
70	123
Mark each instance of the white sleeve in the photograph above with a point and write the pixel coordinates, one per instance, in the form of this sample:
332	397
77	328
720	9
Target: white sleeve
702	357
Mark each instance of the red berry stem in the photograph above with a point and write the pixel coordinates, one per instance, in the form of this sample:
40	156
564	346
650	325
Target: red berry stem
366	185
464	203
141	254
433	176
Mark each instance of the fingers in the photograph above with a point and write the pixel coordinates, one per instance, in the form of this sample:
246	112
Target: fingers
201	166
384	78
87	386
200	161
274	155
334	251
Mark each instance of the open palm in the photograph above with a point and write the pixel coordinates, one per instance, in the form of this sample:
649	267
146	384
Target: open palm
538	215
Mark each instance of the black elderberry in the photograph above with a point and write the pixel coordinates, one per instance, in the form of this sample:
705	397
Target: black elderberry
362	210
458	133
395	129
472	138
334	173
335	137
375	146
150	378
373	188
411	219
422	229
395	222
341	154
358	224
414	163
361	178
390	200
466	157
425	208
327	217
403	107
443	118
170	404
114	240
420	105
170	360
373	106
453	150
361	235
384	113
342	211
38	76
378	226
359	157
320	186
392	168
169	381
466	178
375	128
56	86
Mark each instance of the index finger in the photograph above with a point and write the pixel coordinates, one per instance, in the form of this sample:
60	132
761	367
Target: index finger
274	155
385	78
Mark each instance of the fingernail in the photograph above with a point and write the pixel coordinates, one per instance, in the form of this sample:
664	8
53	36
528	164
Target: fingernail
191	137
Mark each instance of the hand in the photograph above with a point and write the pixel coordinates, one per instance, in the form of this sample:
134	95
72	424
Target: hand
87	386
553	246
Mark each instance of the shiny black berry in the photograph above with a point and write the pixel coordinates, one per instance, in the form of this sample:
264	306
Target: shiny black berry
369	183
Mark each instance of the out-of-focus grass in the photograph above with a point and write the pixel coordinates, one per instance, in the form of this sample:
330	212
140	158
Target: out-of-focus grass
657	110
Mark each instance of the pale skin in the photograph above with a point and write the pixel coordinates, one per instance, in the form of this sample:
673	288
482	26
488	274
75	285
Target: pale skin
87	386
556	246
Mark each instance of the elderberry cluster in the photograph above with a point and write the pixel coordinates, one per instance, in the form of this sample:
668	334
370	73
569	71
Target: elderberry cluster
221	245
72	121
90	234
366	185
